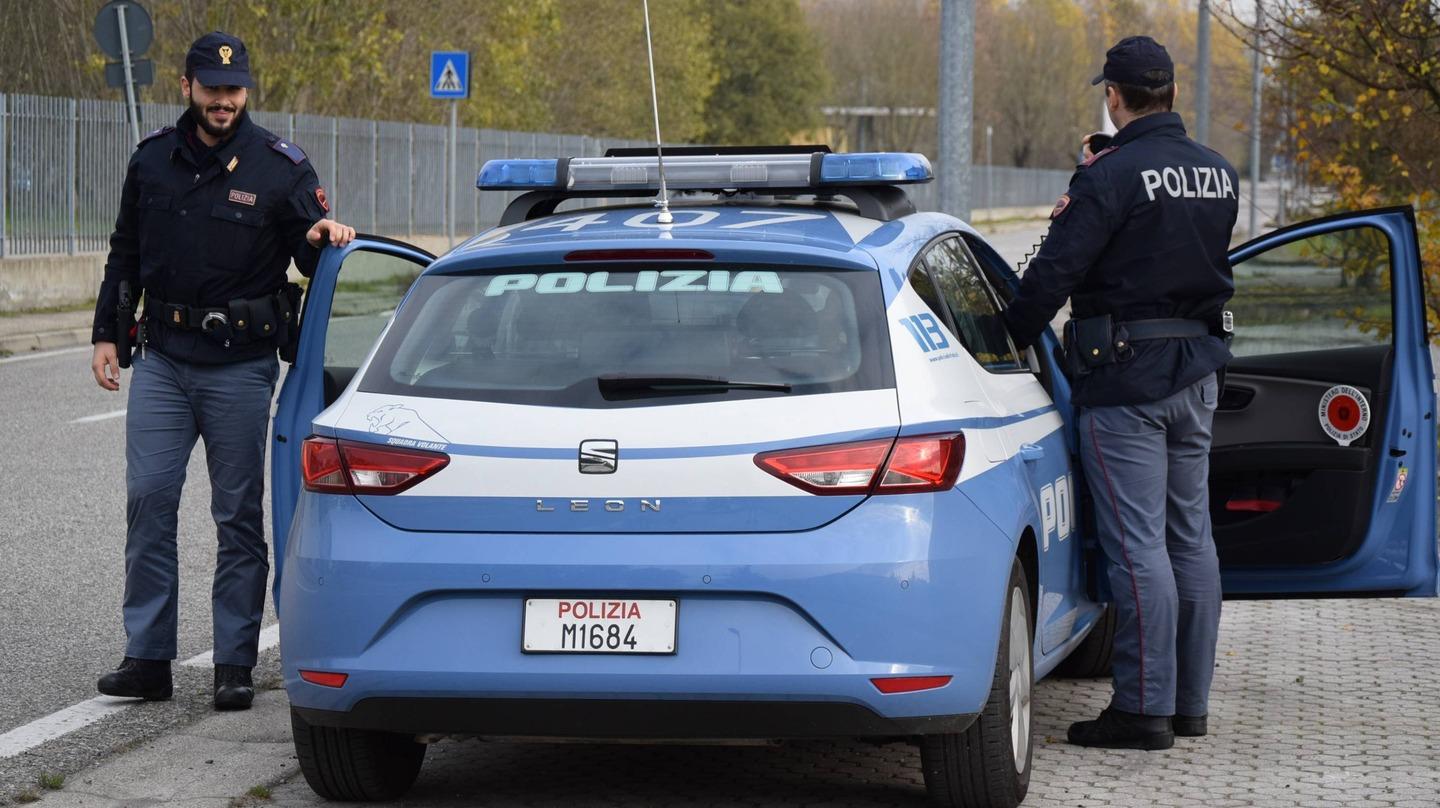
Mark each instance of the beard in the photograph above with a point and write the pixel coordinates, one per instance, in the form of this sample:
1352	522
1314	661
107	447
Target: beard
201	116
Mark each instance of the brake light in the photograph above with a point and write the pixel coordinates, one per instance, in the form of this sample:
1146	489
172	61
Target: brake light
923	463
909	684
842	468
909	465
642	254
348	467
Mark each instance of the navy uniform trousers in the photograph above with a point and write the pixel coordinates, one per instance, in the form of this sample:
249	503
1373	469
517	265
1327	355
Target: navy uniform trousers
1148	468
172	403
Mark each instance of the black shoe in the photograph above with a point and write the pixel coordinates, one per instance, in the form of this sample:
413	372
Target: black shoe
233	688
1117	729
1189	726
147	679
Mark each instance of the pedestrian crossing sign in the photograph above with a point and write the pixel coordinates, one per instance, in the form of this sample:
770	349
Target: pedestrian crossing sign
449	74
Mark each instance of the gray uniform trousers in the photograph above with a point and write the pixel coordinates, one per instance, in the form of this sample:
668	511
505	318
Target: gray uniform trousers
172	403
1148	467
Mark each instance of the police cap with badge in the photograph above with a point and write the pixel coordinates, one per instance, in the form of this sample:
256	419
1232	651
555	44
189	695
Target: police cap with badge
219	60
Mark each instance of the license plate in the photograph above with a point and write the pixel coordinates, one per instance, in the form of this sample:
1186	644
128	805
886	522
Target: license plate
599	626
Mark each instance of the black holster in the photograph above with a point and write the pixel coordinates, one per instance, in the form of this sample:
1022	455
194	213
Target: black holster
1089	344
124	324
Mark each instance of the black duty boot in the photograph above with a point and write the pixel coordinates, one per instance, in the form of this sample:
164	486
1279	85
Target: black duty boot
1190	726
1117	729
233	688
147	679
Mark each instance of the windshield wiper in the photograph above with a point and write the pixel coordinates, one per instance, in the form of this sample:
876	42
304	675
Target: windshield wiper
619	382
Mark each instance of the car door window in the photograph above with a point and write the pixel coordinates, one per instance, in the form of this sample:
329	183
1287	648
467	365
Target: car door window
1330	290
973	307
370	286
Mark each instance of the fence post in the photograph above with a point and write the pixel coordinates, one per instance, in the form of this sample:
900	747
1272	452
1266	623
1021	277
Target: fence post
410	185
4	177
335	162
375	176
476	191
70	178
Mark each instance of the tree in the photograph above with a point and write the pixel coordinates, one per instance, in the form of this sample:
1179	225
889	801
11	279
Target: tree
769	74
1360	85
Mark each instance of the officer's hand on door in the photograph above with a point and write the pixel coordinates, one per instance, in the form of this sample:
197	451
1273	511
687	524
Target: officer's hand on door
330	231
105	364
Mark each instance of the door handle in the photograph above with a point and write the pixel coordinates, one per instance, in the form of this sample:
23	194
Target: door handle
1030	452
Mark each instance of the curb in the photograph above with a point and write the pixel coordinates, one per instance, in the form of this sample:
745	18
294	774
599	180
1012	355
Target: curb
44	340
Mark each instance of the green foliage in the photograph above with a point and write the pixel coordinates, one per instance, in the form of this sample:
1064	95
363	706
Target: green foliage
770	73
560	65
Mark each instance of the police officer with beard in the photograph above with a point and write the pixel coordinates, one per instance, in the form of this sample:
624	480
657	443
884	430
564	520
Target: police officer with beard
212	212
1138	244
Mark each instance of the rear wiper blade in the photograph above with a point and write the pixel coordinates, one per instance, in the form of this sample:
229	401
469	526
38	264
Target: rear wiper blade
613	383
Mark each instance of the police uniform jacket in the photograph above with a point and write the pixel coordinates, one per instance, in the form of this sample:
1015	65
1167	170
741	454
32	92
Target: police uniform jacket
203	226
1142	233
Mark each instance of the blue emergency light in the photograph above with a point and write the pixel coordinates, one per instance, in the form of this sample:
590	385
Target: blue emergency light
706	172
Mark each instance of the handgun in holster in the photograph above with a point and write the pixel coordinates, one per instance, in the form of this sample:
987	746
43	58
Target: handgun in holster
288	304
125	325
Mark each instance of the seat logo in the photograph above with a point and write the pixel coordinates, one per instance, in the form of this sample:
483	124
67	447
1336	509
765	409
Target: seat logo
599	456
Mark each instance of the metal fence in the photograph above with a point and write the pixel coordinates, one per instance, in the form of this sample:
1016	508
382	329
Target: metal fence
62	162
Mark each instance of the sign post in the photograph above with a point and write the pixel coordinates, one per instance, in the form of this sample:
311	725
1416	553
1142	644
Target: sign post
450	79
124	31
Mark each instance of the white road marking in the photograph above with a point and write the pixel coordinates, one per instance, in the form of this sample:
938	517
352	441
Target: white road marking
59	723
76	716
43	354
104	416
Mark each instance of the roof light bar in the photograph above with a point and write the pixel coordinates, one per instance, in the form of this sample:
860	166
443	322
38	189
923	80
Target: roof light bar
706	172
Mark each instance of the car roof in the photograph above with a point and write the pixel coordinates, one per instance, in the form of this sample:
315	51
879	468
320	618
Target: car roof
750	229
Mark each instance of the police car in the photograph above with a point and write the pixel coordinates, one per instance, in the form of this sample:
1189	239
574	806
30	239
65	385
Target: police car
773	469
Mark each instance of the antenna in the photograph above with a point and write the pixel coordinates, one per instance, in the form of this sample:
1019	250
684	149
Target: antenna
664	201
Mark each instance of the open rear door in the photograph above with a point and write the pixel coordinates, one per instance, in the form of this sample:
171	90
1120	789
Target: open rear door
348	304
1322	471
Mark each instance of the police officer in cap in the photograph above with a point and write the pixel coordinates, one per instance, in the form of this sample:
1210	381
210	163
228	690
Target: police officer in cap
212	212
1138	244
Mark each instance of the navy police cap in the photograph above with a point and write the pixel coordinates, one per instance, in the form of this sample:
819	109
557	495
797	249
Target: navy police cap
219	60
1133	57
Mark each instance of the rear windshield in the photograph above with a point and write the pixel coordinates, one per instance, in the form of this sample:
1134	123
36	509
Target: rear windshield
550	336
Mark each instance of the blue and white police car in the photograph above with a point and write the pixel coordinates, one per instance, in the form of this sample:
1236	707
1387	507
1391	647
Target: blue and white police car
774	469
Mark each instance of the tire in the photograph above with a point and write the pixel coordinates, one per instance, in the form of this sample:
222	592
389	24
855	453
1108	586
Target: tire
1091	658
988	765
355	765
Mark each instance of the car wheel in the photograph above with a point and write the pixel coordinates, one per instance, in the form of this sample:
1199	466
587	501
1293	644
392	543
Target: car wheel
1091	658
355	765
988	765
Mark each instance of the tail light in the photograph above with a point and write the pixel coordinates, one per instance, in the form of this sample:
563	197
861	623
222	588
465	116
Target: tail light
346	467
909	465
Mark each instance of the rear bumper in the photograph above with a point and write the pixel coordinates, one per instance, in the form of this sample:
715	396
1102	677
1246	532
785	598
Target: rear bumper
627	718
778	635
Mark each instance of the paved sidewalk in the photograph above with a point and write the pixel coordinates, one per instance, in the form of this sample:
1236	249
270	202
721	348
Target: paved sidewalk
1317	703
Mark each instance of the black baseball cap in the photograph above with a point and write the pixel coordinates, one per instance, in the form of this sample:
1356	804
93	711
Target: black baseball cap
219	60
1133	57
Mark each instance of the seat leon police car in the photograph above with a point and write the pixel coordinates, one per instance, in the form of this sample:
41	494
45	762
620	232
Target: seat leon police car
767	465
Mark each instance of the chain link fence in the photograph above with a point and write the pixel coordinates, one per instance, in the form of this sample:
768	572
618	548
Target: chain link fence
62	163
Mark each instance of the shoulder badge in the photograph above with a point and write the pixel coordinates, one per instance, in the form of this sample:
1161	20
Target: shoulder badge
1098	155
288	149
164	130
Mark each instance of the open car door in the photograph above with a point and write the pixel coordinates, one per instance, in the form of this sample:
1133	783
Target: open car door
1322	468
348	305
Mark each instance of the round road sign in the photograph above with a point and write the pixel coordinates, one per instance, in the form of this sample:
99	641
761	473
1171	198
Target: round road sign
138	28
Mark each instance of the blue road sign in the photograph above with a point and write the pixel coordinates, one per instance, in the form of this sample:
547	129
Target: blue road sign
449	74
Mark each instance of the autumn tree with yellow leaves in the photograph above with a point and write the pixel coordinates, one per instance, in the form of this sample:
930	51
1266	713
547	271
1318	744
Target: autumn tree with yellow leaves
1359	81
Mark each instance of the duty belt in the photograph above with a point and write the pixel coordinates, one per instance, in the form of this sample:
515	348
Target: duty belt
1168	328
205	318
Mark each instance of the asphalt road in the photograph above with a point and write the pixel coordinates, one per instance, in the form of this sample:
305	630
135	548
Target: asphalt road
62	531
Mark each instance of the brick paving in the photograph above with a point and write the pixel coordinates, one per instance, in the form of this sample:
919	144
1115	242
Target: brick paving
1316	703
